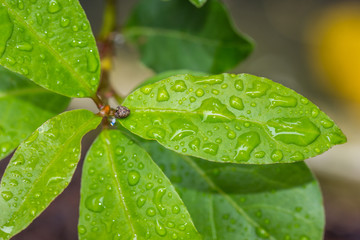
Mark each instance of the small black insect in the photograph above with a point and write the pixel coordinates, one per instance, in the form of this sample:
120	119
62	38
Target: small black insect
122	112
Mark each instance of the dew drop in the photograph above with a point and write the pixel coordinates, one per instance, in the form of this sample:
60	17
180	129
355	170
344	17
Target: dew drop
314	112
20	4
78	43
260	154
133	177
326	123
119	150
199	92
95	203
32	138
81	229
39	19
7	195
54	6
5	147
277	100
335	138
210	148
64	22
231	134
195	144
213	111
211	80
146	90
297	156
276	155
182	128
140	202
258	89
92	62
298	131
156	133
175	209
246	143
151	212
239	85
159	193
160	229
192	99
260	232
162	95
179	86
18	160
236	103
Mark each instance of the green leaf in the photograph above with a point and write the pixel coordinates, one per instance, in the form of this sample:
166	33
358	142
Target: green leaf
41	168
198	3
175	35
51	43
124	195
231	118
238	202
24	106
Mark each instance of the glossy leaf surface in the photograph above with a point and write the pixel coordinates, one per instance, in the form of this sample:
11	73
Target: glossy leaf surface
231	118
24	106
125	195
41	169
238	202
198	3
51	43
176	35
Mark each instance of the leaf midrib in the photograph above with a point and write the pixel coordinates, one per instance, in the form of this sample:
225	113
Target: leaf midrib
118	184
238	208
57	155
51	50
152	31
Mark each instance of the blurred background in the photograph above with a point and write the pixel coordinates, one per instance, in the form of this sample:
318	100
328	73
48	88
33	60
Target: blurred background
311	46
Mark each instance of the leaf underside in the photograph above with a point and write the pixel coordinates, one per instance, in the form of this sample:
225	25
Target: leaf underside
238	202
124	195
231	118
38	173
51	43
176	35
24	106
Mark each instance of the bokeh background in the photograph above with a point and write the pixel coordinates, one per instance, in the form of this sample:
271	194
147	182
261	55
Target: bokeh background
311	46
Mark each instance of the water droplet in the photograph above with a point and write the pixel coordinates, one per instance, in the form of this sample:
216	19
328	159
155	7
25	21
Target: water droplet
146	89
211	80
216	92
258	89
231	134
314	112
151	212
277	100
260	154
239	85
95	202
119	150
179	86
175	209
298	131
192	99
162	95
195	144
64	22
262	233
54	6
39	19
199	92
213	111
156	133
210	148
335	138
81	229
141	201
32	138
224	86
92	61
246	143
149	186
276	155
236	103
182	128
7	195
297	156
160	229
24	71
304	101
18	160
133	177
159	193
79	43
5	147
326	123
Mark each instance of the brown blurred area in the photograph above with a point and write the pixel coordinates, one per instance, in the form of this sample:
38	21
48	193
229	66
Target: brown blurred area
291	41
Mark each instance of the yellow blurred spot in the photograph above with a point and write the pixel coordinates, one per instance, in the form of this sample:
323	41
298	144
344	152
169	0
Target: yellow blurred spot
106	64
335	38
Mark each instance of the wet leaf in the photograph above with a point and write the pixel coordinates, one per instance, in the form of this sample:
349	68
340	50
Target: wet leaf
24	106
238	202
231	118
198	3
41	169
176	35
51	43
124	195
